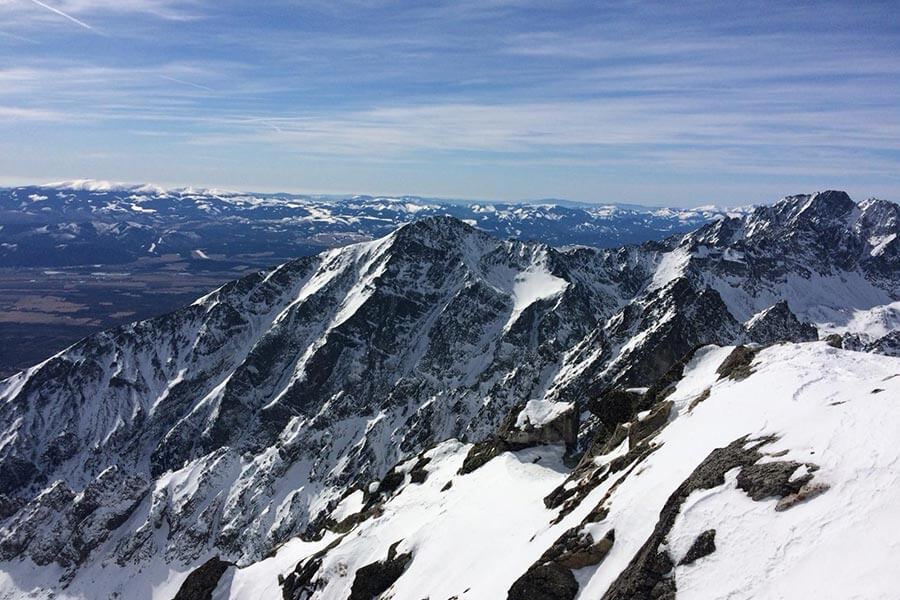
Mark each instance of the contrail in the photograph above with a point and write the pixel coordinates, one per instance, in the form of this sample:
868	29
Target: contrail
183	82
62	14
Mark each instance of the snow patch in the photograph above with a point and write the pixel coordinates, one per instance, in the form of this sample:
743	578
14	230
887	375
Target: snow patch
529	286
541	412
670	267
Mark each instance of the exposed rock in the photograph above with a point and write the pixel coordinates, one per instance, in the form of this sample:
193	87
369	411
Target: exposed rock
704	545
737	364
768	479
203	580
778	324
375	578
576	549
482	452
355	519
649	574
9	506
619	435
15	473
604	442
419	474
390	482
807	492
889	344
302	582
615	406
699	317
544	582
835	340
665	385
588	477
643	428
700	398
519	432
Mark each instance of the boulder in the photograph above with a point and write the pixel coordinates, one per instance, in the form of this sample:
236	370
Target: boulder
375	578
737	364
542	422
203	580
641	429
771	479
544	582
704	545
576	549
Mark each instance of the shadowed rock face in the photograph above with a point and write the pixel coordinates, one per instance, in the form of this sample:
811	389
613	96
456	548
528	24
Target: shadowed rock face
201	583
375	578
562	429
545	582
779	324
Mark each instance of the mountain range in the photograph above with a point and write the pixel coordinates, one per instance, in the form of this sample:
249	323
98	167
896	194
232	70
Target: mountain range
93	222
442	413
78	257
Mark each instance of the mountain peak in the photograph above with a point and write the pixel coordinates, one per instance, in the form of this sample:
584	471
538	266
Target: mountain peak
821	205
436	228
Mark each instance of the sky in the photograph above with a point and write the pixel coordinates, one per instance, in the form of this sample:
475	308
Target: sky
671	103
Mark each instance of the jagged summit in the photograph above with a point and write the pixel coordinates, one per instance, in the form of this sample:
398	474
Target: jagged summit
438	230
820	206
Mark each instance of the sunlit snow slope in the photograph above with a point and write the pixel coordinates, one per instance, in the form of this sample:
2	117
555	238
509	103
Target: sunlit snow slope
830	410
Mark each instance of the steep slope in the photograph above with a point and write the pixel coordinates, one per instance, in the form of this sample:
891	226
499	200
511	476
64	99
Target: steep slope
237	419
815	259
829	256
231	427
780	472
752	487
79	257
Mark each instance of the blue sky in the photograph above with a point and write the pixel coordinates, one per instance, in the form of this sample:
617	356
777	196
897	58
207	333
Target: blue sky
668	103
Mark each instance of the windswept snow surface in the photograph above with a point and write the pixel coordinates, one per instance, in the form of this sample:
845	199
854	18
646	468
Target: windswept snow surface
834	408
820	402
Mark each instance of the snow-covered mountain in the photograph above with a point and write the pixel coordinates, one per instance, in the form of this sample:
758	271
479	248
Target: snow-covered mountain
504	395
96	222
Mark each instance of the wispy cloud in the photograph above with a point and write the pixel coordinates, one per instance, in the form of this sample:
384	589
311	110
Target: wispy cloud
612	91
20	113
188	83
64	15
